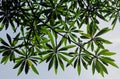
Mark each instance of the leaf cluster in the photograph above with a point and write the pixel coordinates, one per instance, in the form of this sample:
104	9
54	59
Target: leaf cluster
61	33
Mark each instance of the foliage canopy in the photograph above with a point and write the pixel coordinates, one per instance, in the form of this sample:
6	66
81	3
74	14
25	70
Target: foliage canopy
58	32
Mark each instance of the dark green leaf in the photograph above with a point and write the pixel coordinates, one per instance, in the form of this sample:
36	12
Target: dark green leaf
21	68
109	61
106	52
56	64
1	26
103	31
61	63
79	67
51	39
5	59
50	63
26	67
4	43
18	64
66	47
34	69
70	61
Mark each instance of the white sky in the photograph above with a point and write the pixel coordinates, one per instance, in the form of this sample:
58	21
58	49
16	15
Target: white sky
6	71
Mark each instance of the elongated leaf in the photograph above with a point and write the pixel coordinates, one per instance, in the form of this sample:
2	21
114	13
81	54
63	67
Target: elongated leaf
1	26
50	63
4	43
101	16
109	62
61	63
103	67
9	38
70	61
84	64
45	57
84	37
66	47
60	43
98	68
64	58
79	67
75	63
26	67
51	39
5	59
29	62
56	65
21	68
34	69
93	68
49	46
103	40
103	31
18	64
106	52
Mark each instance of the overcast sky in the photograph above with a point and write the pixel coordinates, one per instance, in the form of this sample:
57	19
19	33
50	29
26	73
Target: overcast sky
6	71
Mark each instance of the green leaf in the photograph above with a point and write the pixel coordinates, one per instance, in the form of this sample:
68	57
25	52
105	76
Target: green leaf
4	43
93	67
79	67
9	38
15	41
106	52
18	64
56	65
49	46
70	61
109	61
50	63
60	43
66	47
103	40
101	16
114	22
26	67
102	67
103	31
51	39
84	37
64	58
21	68
1	26
66	54
84	64
75	63
5	59
61	63
34	69
45	57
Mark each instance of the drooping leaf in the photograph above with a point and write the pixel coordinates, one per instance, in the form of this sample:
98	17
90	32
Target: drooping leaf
109	61
34	69
18	64
21	68
79	66
51	63
56	65
9	38
61	63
